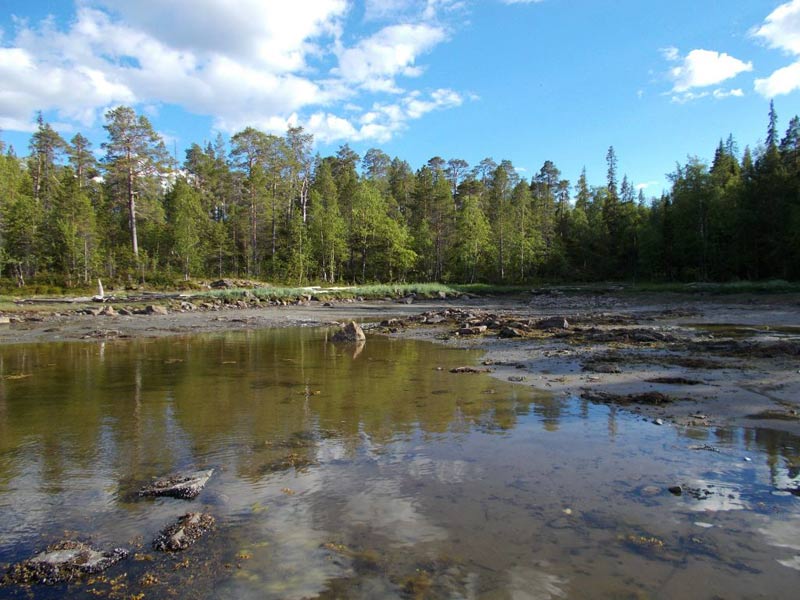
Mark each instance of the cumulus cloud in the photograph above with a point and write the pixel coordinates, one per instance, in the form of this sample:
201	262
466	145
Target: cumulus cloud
266	64
376	61
703	68
782	81
781	30
277	35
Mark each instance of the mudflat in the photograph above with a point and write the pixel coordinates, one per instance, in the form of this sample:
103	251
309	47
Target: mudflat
687	359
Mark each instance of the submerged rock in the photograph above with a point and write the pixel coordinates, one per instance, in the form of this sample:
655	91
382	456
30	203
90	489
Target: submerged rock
351	332
63	561
648	398
189	528
462	370
180	485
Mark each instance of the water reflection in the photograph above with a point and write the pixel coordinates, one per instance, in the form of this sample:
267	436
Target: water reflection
372	471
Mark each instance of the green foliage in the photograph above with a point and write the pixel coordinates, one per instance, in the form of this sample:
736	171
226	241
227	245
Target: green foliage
261	207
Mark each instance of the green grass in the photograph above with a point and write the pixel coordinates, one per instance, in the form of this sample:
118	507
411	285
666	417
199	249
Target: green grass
368	292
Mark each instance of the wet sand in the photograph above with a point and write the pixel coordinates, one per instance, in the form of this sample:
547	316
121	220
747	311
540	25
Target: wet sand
718	361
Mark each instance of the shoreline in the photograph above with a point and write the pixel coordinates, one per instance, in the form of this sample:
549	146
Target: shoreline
717	362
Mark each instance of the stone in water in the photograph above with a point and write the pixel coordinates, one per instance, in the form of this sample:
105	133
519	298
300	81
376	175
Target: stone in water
62	562
181	485
189	528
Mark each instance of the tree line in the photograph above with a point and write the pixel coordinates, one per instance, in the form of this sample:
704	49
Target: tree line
266	207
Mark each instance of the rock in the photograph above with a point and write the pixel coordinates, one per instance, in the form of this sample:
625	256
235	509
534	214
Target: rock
477	330
124	312
155	309
189	528
222	284
62	562
658	422
510	332
180	485
108	311
516	379
601	367
674	381
706	447
406	300
442	295
650	490
676	490
434	319
461	370
648	398
351	332
5	320
553	323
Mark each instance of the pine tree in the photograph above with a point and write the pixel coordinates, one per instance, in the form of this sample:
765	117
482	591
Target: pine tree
134	154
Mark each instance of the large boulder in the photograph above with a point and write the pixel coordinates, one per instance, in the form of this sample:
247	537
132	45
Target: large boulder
185	486
351	332
222	284
189	528
62	562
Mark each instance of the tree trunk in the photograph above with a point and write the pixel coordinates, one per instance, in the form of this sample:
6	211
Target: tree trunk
132	209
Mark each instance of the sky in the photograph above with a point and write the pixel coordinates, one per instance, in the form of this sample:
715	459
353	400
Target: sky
524	80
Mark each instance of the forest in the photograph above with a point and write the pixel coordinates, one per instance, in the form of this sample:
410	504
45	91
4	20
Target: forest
267	207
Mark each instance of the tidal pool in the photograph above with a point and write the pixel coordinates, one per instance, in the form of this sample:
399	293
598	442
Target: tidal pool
374	472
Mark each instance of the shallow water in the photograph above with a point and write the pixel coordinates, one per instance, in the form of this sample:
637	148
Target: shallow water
373	472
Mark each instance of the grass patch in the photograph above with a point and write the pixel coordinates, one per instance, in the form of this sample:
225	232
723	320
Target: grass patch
368	292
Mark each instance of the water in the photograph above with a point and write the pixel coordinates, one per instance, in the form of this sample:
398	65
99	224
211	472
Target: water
373	472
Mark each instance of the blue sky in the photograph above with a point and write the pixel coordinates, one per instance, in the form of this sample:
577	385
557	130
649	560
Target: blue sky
509	79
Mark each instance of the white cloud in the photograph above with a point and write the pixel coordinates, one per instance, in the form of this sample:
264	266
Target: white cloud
703	68
671	54
429	10
266	64
375	10
393	51
782	81
781	30
734	93
277	35
717	94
